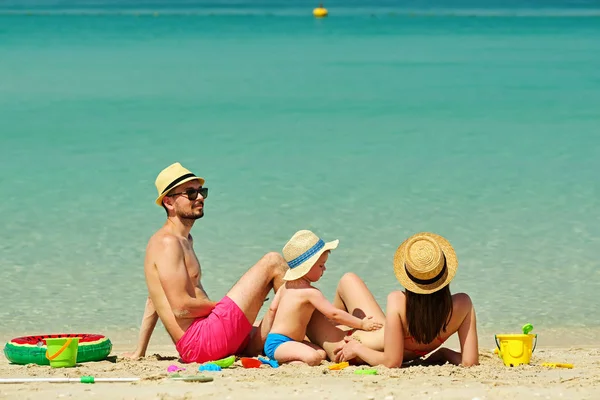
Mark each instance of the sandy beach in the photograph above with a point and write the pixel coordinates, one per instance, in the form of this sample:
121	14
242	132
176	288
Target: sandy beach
477	121
490	380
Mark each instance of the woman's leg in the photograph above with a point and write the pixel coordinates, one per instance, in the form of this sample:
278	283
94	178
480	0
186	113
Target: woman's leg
324	334
355	297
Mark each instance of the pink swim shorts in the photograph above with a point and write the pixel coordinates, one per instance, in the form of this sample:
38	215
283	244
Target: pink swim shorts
225	332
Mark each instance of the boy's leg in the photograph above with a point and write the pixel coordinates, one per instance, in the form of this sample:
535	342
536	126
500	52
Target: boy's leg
306	352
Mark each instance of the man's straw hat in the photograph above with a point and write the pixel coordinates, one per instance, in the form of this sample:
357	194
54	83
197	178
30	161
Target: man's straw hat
174	175
425	263
302	251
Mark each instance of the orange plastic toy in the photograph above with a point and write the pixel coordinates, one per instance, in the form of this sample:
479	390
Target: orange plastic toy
339	366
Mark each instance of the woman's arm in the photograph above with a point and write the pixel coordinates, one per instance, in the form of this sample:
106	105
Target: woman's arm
443	355
467	333
393	338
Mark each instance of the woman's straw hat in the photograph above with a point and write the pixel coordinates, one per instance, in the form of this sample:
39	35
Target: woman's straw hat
302	251
425	263
174	175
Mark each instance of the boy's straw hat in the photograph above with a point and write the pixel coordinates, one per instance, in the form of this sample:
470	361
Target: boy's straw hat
425	263
302	251
175	174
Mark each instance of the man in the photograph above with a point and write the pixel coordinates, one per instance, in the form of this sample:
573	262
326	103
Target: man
203	330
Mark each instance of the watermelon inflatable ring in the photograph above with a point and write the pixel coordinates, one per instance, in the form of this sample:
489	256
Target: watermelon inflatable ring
32	349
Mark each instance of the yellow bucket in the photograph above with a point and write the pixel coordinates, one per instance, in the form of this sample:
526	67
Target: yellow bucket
516	349
62	352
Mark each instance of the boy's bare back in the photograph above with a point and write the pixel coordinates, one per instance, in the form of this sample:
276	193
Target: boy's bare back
294	309
294	304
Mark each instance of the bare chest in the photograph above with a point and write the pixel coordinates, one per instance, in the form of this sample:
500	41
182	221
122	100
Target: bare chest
191	263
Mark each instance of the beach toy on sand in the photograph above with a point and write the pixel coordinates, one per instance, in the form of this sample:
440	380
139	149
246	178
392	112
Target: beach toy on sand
224	362
174	368
209	367
557	365
83	379
62	352
191	378
248	362
272	363
338	366
366	372
516	349
32	349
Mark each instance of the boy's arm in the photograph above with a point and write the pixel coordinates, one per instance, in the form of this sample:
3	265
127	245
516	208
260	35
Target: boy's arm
321	303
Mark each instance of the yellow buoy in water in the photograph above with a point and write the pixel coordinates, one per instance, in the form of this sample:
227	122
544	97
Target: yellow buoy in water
320	11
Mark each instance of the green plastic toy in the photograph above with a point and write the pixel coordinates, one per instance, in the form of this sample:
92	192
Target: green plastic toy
527	328
366	372
224	362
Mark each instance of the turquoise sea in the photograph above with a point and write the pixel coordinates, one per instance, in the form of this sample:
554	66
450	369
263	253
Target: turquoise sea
481	124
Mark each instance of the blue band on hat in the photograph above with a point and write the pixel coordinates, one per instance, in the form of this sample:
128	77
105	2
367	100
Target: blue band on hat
307	254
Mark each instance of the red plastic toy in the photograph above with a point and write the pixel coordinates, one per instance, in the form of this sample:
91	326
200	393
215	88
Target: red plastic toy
250	362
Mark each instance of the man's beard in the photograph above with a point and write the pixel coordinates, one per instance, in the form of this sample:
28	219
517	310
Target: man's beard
191	215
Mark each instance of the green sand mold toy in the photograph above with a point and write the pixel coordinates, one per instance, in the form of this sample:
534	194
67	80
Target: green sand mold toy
224	362
365	372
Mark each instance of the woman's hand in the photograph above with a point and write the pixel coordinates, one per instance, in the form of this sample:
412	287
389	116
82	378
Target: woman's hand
348	350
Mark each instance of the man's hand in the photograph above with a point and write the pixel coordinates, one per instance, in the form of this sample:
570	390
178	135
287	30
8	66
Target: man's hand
369	325
133	355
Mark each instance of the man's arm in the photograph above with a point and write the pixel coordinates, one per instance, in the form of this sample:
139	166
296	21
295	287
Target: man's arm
147	327
200	292
176	282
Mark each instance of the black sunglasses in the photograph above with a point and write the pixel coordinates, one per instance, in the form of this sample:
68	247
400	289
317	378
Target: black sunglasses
192	193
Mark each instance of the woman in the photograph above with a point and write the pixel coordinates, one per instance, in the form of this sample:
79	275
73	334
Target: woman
417	321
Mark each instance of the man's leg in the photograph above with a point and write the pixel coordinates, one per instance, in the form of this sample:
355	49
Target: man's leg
250	291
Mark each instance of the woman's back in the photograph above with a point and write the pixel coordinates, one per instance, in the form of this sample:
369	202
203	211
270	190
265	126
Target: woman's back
460	306
420	319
